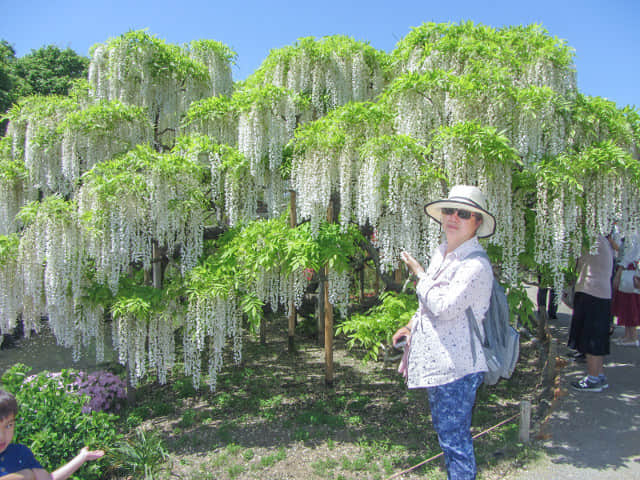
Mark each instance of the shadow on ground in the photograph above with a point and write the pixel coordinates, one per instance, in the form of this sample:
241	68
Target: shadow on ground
589	434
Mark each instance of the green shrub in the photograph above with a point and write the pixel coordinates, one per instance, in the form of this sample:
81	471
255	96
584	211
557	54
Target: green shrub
183	387
51	421
141	456
189	418
377	326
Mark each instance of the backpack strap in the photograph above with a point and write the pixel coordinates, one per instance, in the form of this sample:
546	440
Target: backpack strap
478	253
473	328
471	318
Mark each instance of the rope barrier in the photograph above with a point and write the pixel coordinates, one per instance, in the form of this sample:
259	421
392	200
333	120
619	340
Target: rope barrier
424	462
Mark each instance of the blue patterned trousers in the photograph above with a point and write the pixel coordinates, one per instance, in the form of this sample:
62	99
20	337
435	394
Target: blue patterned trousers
451	407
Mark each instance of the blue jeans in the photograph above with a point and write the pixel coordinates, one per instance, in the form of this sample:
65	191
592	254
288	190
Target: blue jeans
451	407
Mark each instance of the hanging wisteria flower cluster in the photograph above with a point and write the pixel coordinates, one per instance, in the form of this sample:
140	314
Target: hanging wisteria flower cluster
264	129
209	322
12	189
217	57
51	258
473	155
36	141
129	335
332	71
213	118
90	325
611	192
97	133
394	183
11	282
327	160
339	283
279	289
157	198
557	233
139	69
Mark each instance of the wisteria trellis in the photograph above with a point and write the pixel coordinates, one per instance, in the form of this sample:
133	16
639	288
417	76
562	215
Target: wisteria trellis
160	145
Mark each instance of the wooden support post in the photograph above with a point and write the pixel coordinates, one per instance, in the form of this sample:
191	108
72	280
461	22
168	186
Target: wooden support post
292	326
156	266
525	421
328	318
320	316
398	275
543	325
550	367
328	335
263	330
376	282
292	306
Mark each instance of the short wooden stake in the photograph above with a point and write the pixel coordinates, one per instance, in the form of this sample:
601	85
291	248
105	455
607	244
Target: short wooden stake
525	420
550	368
292	304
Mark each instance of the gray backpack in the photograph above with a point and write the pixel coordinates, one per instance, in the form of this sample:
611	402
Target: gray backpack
501	343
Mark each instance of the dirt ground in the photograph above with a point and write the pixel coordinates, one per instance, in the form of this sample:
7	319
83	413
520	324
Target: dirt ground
274	417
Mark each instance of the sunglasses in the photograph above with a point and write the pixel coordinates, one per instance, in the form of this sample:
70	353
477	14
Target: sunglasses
462	214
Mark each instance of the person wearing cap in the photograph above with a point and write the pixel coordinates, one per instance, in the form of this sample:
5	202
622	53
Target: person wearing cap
438	336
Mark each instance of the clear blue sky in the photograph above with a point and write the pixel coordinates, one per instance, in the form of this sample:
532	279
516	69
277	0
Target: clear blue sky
603	33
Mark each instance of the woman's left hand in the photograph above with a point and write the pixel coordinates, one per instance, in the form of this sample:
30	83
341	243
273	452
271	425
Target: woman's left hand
402	332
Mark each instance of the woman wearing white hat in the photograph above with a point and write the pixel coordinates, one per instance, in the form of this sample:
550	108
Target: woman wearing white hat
440	342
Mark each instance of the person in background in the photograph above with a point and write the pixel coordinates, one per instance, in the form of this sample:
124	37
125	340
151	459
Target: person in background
626	305
552	305
439	339
17	462
589	330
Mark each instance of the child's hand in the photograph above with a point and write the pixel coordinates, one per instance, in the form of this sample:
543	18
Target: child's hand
88	455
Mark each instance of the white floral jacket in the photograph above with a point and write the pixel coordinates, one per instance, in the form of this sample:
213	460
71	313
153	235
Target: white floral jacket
440	350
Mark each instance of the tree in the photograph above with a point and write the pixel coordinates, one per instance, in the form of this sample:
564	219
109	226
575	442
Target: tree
50	70
10	82
7	75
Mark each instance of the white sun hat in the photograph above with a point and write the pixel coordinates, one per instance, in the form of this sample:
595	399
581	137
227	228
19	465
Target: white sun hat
466	197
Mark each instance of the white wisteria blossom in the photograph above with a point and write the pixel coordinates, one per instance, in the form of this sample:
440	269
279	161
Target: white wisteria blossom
209	322
139	69
333	71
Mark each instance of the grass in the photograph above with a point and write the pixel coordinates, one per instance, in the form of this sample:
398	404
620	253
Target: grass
273	416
